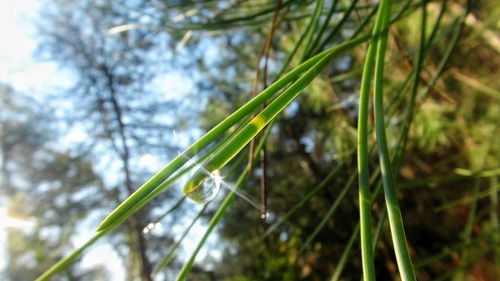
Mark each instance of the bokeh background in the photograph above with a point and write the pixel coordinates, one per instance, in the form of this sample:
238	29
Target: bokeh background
96	96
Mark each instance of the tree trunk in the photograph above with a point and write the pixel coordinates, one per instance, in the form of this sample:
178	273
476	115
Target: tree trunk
124	153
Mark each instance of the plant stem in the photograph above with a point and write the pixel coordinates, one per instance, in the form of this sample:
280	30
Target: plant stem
156	181
363	181
237	143
393	210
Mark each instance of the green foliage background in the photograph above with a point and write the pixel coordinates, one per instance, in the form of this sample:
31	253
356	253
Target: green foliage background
446	174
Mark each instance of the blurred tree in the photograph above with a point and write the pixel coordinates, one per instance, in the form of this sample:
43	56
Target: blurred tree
113	99
43	186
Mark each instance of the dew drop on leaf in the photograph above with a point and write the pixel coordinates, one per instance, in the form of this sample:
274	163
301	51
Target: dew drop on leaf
207	190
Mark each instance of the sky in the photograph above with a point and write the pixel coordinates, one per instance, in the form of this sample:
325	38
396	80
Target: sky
18	67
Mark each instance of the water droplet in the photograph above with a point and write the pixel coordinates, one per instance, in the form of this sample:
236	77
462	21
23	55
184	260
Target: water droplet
264	216
207	189
151	225
145	230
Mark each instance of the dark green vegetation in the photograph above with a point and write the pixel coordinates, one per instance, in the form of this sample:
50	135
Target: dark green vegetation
373	129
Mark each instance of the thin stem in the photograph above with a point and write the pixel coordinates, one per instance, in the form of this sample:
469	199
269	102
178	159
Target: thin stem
323	27
155	181
268	114
335	172
218	214
494	216
310	29
170	255
263	55
393	210
329	213
363	178
337	27
345	254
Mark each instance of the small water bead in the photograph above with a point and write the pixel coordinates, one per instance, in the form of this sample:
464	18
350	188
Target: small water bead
264	216
148	227
207	189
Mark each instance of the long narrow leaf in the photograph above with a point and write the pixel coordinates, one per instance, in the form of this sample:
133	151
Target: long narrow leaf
394	213
204	141
264	117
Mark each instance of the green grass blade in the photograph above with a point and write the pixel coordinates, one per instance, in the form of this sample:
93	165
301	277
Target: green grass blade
323	27
364	192
356	234
265	116
393	210
453	250
304	200
173	208
205	140
329	213
222	208
213	222
464	200
471	218
363	178
170	255
59	266
337	27
365	20
241	20
437	24
295	49
77	252
403	138
494	216
345	254
311	28
449	275
458	24
365	199
467	234
380	227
